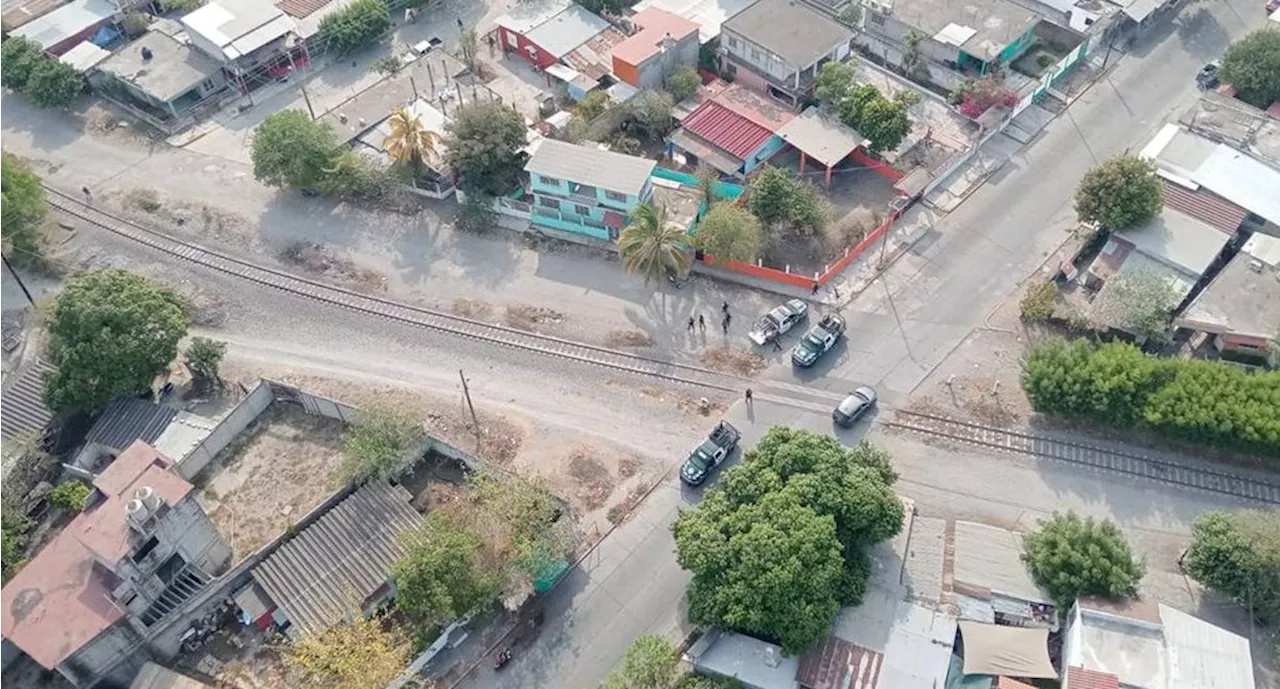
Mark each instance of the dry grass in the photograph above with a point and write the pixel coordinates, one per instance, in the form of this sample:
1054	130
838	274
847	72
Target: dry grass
849	230
475	309
532	318
619	512
620	338
628	467
733	360
316	258
592	476
146	200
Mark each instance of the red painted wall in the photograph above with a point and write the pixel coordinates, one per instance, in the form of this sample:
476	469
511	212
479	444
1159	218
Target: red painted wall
878	166
525	49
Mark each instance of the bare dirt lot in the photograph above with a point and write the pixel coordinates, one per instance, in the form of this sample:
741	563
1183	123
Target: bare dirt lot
280	468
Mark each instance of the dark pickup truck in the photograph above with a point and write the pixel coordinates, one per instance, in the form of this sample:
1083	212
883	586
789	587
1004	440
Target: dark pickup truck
818	341
719	444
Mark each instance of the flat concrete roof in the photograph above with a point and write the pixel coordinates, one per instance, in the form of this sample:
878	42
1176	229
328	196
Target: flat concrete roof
1190	159
987	26
709	15
173	69
821	137
1245	297
239	27
1179	240
790	29
567	30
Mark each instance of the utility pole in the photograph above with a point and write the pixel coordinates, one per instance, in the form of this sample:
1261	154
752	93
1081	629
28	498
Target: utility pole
475	422
303	87
21	284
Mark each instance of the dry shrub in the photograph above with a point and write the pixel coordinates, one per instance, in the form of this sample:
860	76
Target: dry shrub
472	308
529	317
594	482
619	512
733	360
143	199
1037	304
628	338
628	466
849	230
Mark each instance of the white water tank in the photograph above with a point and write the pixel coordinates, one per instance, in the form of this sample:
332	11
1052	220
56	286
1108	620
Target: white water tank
136	513
149	498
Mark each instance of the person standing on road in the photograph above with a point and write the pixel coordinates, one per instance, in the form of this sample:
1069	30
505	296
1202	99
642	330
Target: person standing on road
724	325
690	323
702	324
724	306
461	26
88	195
777	346
815	288
750	402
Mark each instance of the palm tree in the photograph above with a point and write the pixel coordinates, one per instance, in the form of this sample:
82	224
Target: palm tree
409	142
653	246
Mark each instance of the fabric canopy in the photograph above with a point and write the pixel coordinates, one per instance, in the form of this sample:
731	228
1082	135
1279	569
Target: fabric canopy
991	649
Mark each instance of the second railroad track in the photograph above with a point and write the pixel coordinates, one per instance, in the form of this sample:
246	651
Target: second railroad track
1085	454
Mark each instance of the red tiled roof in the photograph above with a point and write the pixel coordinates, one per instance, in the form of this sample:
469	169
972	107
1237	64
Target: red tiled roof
1010	683
835	663
654	24
61	599
1205	206
1080	678
726	129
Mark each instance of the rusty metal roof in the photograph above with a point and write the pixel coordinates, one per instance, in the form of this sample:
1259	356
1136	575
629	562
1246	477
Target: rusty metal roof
1205	206
834	663
1080	678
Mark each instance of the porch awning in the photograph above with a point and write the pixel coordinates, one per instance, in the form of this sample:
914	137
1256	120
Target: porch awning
822	138
991	649
706	153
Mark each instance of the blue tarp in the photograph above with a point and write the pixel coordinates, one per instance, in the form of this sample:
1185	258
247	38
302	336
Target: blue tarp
105	37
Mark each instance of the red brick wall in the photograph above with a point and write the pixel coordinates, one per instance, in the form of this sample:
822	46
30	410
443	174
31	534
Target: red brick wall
526	49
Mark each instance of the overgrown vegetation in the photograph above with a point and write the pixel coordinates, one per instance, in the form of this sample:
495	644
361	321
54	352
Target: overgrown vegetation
360	653
594	105
13	540
1037	304
483	144
781	200
292	151
730	233
70	495
46	81
110	333
883	121
650	663
1070	557
975	97
378	443
203	357
780	543
355	26
1252	66
23	208
1120	193
443	575
1116	384
1139	302
1238	554
683	82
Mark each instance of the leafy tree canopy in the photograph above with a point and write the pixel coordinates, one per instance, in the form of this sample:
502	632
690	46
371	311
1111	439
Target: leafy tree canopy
292	150
204	356
730	233
110	333
483	144
53	84
779	544
650	663
22	205
1238	554
70	495
648	115
356	25
1139	302
1252	65
779	198
19	55
363	653
441	577
1070	557
1122	192
379	442
683	82
834	83
883	121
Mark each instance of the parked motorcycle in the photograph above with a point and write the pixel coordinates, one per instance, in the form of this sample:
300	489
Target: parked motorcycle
500	661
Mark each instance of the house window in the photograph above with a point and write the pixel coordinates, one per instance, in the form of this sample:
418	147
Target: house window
581	209
549	202
146	549
207	84
755	55
733	42
615	196
512	40
549	181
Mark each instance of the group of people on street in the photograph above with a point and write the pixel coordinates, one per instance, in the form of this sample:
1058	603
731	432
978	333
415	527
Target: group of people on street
701	322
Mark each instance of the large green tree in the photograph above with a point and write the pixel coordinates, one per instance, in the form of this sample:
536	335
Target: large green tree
1070	557
1120	193
1139	302
110	333
356	25
780	543
730	233
653	246
22	205
441	576
292	150
1238	554
650	663
483	144
53	84
883	121
779	198
19	56
683	82
1110	382
1252	65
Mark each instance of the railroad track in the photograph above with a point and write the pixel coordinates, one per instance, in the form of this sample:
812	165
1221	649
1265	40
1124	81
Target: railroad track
1084	454
404	313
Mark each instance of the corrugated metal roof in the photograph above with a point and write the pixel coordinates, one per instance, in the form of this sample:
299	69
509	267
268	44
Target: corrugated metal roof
1204	206
821	137
57	26
834	663
1203	655
567	30
593	57
15	17
726	129
1080	678
22	406
325	572
154	676
299	9
130	419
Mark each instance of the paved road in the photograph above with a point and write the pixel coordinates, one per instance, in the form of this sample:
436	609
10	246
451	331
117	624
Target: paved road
941	290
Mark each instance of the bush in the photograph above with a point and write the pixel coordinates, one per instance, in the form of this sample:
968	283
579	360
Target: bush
976	97
70	495
683	82
355	26
1238	554
378	443
781	199
1070	557
1037	305
47	81
13	540
1123	192
1116	384
594	105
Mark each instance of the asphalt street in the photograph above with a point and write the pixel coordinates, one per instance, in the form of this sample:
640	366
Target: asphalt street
899	329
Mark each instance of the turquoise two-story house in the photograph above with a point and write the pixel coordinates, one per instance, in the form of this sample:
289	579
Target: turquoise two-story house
586	190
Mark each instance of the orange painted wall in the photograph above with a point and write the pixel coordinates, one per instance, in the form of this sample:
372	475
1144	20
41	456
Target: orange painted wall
626	72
